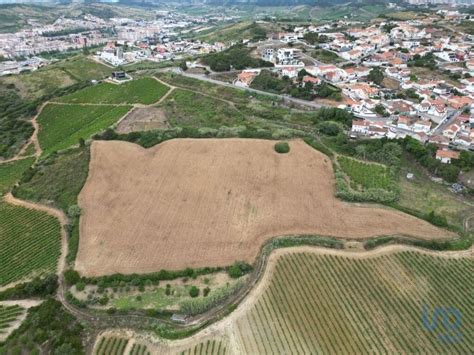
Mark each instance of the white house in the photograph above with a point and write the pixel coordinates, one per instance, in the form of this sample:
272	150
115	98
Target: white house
422	126
360	126
446	155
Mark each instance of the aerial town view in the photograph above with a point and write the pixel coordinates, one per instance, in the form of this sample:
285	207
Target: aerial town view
236	177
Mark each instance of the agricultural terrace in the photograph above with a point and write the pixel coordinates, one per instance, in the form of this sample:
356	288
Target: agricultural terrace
61	126
30	243
9	315
318	302
366	175
142	91
142	208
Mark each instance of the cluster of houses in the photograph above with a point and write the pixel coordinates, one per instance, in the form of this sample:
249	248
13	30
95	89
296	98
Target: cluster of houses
430	108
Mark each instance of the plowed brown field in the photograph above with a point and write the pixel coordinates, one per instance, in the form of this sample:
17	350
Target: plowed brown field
209	202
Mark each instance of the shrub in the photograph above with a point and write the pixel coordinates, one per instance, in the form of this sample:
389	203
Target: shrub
238	269
282	147
206	291
71	277
80	286
194	291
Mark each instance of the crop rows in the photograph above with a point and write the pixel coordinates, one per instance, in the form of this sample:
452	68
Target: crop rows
30	243
111	346
8	314
143	91
61	126
207	348
334	304
139	349
367	175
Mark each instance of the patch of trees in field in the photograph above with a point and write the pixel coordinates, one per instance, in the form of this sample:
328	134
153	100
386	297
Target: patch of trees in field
236	57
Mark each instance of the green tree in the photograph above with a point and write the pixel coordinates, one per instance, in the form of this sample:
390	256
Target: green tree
194	291
376	75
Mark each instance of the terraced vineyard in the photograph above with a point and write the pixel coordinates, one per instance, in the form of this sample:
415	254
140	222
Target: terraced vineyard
142	91
8	315
30	243
405	302
207	348
366	175
61	126
111	346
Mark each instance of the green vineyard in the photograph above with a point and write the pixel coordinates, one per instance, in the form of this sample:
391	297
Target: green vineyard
144	91
366	175
207	348
8	315
397	303
30	243
111	346
61	126
139	349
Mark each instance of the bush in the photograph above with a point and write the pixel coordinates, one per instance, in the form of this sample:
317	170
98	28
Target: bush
80	286
194	291
38	287
282	147
71	277
238	269
206	291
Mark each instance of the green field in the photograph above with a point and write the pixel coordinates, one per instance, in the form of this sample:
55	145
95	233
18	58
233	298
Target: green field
341	305
210	347
111	346
142	91
30	243
8	315
186	108
61	126
326	56
11	172
366	175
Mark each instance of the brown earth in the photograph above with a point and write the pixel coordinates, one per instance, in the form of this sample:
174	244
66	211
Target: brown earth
196	203
143	119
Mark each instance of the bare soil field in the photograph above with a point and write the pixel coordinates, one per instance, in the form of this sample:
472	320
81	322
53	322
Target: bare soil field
210	202
143	119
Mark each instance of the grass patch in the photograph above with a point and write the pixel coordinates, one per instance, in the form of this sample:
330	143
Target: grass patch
366	175
142	91
61	126
186	108
11	172
326	56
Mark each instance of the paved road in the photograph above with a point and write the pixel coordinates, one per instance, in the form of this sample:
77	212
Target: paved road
284	98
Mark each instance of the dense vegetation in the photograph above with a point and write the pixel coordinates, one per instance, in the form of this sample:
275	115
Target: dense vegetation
236	57
39	287
11	172
47	329
373	304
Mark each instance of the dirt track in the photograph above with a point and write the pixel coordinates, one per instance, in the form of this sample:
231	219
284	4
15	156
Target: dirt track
191	202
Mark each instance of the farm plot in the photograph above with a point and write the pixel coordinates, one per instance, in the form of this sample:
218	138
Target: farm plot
142	91
332	303
366	175
142	208
111	346
139	349
30	243
11	172
61	126
9	315
143	119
